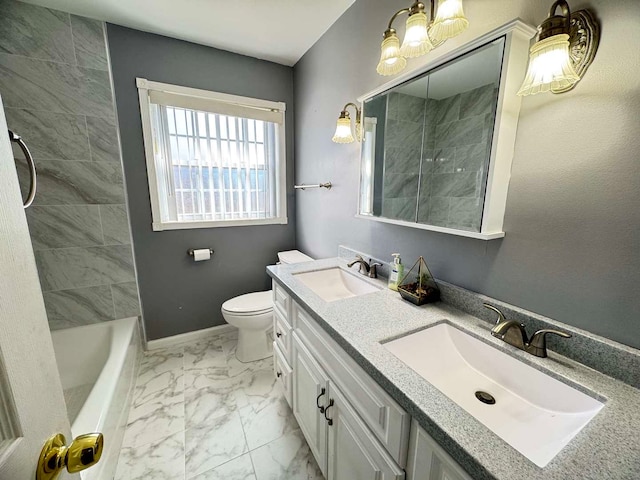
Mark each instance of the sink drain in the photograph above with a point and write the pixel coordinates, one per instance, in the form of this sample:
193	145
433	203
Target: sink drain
485	397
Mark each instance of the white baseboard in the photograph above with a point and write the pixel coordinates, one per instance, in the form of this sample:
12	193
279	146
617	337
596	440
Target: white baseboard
189	336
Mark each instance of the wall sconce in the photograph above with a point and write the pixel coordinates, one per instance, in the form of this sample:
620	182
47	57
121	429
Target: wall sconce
343	128
420	38
565	47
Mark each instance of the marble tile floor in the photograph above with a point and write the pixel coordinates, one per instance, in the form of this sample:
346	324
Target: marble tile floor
200	414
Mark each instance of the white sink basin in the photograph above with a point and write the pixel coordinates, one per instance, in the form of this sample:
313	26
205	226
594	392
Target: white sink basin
334	283
533	412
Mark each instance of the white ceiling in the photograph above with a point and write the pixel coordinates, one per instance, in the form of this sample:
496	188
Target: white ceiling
277	30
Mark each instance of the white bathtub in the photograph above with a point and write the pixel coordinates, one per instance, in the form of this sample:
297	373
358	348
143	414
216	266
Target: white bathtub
98	366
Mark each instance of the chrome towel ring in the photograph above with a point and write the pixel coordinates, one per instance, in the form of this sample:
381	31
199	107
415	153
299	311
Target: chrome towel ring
15	138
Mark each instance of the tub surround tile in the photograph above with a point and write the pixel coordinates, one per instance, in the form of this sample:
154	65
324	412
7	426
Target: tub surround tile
37	32
446	110
67	268
402	160
103	139
459	184
398	185
288	457
210	445
82	306
240	468
461	132
75	183
115	224
465	213
50	136
125	299
162	459
478	101
54	87
64	226
89	43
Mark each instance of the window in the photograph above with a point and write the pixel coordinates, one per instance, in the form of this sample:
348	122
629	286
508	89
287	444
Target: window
213	159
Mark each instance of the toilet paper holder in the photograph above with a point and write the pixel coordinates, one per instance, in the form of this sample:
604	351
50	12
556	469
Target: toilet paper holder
191	250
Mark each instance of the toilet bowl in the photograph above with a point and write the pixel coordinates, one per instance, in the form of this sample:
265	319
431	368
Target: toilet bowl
252	315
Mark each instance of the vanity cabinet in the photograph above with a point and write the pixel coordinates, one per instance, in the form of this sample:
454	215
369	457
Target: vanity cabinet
428	461
354	429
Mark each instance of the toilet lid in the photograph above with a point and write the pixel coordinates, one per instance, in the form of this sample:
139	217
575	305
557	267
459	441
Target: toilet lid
257	302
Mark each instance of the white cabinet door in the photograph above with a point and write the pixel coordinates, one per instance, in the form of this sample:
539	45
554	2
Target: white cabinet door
428	461
310	393
354	453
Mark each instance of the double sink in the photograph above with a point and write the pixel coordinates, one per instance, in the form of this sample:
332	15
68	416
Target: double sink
535	413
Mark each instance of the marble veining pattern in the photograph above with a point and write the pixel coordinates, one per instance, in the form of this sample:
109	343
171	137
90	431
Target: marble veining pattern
57	95
223	418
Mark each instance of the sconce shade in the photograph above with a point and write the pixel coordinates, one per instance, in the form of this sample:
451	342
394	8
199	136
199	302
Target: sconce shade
416	38
343	130
391	61
449	22
549	67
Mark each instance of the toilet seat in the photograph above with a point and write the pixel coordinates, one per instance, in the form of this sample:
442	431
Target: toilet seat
249	304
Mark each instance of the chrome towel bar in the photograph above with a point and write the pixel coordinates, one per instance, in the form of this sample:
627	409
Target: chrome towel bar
15	138
326	185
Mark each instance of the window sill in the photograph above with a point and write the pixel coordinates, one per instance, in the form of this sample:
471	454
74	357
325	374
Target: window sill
161	226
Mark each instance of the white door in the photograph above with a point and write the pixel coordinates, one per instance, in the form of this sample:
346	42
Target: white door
32	407
310	393
353	451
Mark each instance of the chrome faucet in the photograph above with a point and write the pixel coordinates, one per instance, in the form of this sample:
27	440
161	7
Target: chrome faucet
369	269
514	333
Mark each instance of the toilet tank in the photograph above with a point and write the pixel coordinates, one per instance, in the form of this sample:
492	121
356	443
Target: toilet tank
293	256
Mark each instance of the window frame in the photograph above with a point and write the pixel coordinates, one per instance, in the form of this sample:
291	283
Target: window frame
158	224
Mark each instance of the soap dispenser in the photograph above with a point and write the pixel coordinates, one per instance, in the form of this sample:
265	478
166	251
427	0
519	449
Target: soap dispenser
397	272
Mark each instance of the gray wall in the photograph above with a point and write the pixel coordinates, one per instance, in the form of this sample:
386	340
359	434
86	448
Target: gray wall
57	95
572	221
177	294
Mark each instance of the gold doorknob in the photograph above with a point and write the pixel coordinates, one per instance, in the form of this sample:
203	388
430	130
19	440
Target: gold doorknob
55	456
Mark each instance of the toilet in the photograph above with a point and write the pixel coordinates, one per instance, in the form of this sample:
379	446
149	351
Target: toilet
252	315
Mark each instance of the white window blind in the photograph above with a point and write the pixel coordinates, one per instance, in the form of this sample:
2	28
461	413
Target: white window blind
215	160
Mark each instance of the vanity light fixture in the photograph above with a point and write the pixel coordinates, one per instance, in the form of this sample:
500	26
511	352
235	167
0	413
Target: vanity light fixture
343	128
420	38
565	47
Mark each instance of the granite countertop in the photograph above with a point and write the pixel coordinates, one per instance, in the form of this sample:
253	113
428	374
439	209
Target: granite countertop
606	448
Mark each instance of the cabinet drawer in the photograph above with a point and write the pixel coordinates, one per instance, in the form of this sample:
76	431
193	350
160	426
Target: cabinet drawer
386	419
282	334
283	372
281	299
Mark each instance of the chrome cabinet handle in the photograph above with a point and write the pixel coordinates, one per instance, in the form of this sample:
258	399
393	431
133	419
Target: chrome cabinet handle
329	420
15	138
322	392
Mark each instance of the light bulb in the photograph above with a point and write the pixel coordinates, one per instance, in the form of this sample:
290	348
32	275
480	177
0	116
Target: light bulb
449	22
416	38
391	61
549	67
343	130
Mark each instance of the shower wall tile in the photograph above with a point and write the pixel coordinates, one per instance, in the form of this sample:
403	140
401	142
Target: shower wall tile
402	160
103	139
68	268
462	184
53	136
82	306
54	87
89	43
438	211
461	132
444	160
64	226
399	208
465	213
478	101
115	224
447	110
125	299
399	133
55	84
76	183
36	32
472	158
398	185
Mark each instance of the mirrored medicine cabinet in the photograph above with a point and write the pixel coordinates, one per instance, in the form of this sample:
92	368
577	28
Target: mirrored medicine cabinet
438	143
